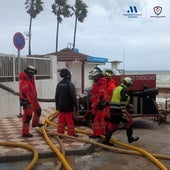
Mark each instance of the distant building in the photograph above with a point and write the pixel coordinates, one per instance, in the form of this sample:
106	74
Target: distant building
115	67
79	64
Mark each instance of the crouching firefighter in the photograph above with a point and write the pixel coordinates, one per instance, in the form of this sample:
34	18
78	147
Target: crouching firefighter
28	100
118	113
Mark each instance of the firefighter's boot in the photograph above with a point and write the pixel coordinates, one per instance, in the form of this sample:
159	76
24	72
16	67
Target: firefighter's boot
26	126
96	131
131	138
107	138
36	118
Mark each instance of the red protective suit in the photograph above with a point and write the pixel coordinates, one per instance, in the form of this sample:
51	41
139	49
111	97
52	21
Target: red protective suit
108	95
28	98
97	94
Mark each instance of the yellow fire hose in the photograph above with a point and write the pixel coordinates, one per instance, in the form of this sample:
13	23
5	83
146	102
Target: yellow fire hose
138	150
115	149
54	148
25	146
59	166
114	140
147	154
62	152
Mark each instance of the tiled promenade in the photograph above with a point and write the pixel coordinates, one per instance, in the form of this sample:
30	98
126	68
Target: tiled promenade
11	132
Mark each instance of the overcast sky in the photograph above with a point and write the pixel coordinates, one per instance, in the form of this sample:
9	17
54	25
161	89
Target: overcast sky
142	43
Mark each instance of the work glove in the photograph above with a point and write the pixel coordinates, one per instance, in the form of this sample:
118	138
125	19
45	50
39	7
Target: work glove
101	105
23	102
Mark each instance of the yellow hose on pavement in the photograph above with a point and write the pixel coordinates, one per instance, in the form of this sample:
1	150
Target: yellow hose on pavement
147	154
138	150
53	147
25	146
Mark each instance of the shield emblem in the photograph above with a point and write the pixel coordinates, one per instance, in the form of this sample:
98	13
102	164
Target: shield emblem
157	10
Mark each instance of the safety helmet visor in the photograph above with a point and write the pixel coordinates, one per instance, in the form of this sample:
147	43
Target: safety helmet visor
31	70
96	72
128	81
108	75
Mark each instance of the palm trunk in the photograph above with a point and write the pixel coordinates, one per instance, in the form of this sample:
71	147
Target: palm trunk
29	34
75	30
57	36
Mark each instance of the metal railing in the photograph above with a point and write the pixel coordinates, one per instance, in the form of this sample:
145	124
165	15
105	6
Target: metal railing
9	67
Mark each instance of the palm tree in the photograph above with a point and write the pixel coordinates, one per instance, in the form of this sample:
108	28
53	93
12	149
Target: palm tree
33	7
80	12
60	8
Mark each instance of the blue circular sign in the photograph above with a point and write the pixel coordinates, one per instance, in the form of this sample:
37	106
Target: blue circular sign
19	40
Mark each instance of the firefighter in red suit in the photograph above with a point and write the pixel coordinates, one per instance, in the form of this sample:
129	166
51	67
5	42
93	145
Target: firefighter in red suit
108	94
28	100
66	103
97	101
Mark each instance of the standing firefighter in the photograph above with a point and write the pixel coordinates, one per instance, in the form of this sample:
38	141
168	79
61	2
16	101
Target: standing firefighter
119	103
108	94
97	101
28	99
66	103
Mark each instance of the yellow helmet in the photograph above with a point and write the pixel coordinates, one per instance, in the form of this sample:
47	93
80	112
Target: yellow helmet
108	73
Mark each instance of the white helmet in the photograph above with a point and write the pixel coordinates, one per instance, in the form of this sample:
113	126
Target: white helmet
127	81
95	73
31	70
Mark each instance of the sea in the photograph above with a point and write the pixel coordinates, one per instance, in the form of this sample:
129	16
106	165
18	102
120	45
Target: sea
162	76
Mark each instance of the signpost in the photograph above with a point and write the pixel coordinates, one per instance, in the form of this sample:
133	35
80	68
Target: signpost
19	43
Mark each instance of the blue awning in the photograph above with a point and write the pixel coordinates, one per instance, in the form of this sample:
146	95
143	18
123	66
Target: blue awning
97	59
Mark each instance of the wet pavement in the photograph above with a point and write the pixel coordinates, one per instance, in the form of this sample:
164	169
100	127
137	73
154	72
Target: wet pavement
153	137
11	132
